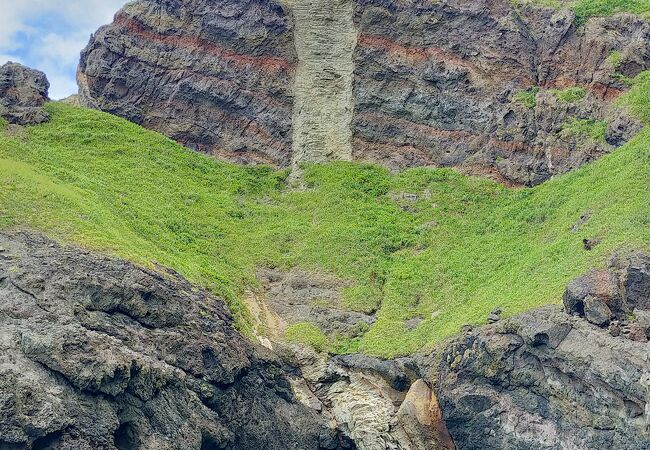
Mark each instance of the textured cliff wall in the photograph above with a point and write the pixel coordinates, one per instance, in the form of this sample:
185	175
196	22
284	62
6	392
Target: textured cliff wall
215	76
96	353
477	85
437	83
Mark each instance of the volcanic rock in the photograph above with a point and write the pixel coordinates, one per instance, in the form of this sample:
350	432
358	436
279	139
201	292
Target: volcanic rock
403	83
96	353
23	92
544	380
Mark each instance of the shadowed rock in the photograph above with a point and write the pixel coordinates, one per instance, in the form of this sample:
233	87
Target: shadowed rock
98	354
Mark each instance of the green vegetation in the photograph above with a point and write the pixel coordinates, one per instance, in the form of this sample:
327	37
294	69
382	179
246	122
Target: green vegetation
450	252
637	99
584	9
528	98
306	333
616	59
595	130
570	95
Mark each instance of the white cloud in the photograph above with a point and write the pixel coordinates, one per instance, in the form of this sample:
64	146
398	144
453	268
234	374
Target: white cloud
49	35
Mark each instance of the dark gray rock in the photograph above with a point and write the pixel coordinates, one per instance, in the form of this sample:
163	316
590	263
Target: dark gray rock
634	281
544	380
599	286
215	76
597	311
23	92
96	353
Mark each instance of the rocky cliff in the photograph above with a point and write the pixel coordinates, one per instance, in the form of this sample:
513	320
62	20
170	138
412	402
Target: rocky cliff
96	353
477	85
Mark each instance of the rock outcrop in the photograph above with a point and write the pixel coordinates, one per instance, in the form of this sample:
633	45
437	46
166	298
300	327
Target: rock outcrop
23	92
405	83
216	76
614	295
378	404
546	380
96	353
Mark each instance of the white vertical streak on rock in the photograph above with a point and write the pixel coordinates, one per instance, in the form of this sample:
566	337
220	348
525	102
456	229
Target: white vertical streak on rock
325	39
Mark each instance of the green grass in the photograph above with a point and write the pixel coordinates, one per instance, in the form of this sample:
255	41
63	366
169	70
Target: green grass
584	9
637	99
569	95
465	246
596	130
527	98
306	333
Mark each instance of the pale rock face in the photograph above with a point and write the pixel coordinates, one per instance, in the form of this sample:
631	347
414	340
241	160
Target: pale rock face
325	38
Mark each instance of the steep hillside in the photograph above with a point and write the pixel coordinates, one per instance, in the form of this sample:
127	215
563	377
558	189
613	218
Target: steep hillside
423	251
498	88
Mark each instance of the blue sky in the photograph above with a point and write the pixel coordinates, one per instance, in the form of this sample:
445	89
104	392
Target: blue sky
49	34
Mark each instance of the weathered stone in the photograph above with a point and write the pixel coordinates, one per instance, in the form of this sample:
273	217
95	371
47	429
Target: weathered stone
96	353
615	292
505	386
421	419
23	92
599	285
297	296
597	311
635	282
403	83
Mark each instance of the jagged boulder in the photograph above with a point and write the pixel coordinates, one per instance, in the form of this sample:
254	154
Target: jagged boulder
98	354
403	83
23	92
612	293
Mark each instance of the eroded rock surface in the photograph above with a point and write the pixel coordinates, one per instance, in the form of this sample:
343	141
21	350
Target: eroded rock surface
404	83
378	404
216	76
545	380
613	295
296	296
23	92
96	353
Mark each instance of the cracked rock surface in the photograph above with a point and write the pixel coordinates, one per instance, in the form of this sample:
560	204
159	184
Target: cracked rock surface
545	380
96	353
23	92
404	83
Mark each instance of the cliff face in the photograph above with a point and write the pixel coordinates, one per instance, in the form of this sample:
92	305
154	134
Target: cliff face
96	353
437	83
545	380
215	76
404	83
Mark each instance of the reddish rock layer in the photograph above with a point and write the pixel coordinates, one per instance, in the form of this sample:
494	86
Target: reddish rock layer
435	83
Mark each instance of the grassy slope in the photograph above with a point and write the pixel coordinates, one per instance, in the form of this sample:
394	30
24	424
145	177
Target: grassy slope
464	247
584	9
